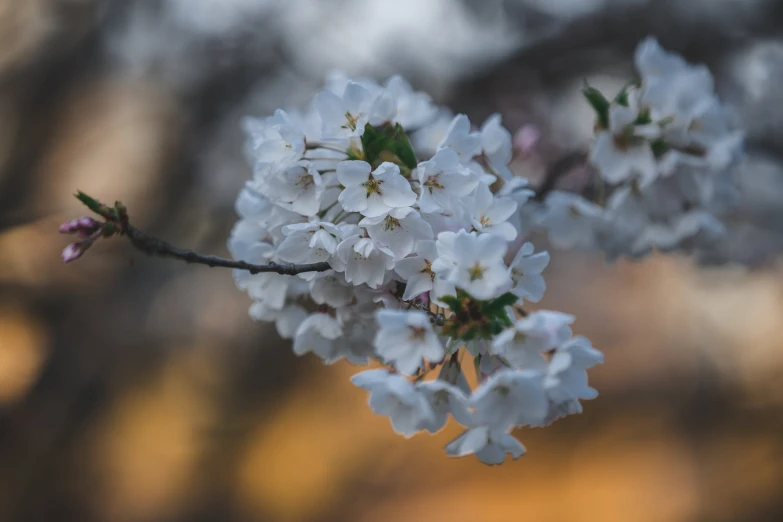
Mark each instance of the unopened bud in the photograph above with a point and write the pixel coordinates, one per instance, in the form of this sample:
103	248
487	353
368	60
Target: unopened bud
76	250
83	226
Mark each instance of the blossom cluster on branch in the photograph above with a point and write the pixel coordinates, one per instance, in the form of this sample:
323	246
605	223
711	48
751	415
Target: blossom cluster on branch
663	152
427	270
380	229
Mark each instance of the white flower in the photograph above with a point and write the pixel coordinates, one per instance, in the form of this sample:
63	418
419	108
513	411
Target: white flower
394	396
443	180
268	217
363	261
526	271
452	220
298	188
497	144
445	264
358	324
479	269
309	242
405	339
286	320
622	151
426	141
319	334
345	117
252	238
417	272
444	398
373	193
247	242
656	218
491	447
699	130
274	141
331	288
490	214
516	188
398	230
269	288
250	203
460	139
541	331
510	344
571	220
667	236
413	109
567	376
671	88
510	398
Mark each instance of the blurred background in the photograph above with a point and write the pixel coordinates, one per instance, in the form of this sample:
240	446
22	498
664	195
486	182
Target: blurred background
136	389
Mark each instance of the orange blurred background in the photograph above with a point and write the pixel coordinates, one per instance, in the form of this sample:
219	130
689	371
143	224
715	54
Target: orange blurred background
136	389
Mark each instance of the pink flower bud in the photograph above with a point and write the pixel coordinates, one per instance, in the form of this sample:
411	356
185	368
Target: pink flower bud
76	250
424	298
83	226
526	139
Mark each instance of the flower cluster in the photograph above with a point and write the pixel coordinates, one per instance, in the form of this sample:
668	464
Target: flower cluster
663	150
418	221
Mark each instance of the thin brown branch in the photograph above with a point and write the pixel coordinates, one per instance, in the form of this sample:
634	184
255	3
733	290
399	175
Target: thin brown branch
157	247
118	223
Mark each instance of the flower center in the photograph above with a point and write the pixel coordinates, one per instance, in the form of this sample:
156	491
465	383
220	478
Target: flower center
476	272
305	181
433	182
391	223
351	121
622	141
417	333
373	186
428	270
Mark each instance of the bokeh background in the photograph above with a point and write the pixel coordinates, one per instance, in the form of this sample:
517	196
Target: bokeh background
136	389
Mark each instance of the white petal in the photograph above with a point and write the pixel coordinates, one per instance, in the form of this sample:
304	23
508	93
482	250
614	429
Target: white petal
351	173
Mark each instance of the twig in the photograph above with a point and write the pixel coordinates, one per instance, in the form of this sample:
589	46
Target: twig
118	224
157	247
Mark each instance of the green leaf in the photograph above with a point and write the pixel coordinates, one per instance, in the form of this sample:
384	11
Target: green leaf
643	118
400	145
88	201
453	302
599	103
496	326
660	147
96	206
497	306
387	143
373	143
622	97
